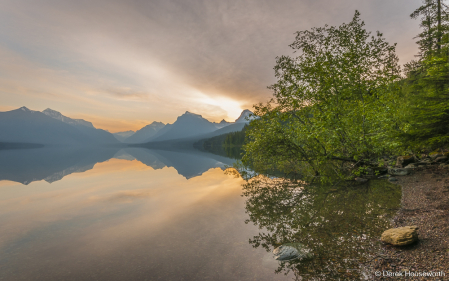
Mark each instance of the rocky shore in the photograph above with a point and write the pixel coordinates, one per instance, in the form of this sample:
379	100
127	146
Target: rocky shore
425	203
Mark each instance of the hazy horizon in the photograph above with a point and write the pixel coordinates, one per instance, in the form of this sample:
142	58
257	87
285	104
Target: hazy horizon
124	64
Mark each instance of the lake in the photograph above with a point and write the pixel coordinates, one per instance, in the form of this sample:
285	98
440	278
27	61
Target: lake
141	214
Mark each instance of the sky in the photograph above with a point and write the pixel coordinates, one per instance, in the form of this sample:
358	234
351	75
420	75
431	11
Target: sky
123	64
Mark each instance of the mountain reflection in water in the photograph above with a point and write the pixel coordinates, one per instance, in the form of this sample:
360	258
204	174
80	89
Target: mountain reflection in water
145	214
52	164
340	225
135	216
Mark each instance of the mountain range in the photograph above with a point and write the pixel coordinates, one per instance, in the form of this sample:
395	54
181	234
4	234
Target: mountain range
50	127
187	126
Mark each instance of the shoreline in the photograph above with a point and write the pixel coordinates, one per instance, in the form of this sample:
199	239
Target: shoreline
424	203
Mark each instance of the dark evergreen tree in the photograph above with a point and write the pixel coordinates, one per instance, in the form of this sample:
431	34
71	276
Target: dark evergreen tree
428	79
434	17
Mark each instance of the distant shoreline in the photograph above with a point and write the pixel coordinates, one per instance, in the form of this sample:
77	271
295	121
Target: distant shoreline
19	145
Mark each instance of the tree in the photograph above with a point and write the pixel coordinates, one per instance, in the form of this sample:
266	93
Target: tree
434	17
334	101
428	80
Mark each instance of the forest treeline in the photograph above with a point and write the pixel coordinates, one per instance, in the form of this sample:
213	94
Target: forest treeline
344	99
232	139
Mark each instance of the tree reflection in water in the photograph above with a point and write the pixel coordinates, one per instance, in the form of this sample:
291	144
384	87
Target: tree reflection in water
341	225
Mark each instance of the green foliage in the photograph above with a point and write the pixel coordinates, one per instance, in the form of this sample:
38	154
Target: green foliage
434	16
235	138
335	100
427	83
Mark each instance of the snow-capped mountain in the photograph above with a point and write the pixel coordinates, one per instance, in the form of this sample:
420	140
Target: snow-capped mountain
58	116
245	116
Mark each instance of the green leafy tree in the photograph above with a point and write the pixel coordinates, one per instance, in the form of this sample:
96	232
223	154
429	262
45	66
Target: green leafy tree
335	100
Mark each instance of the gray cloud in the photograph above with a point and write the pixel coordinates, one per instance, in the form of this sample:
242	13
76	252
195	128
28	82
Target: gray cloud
182	49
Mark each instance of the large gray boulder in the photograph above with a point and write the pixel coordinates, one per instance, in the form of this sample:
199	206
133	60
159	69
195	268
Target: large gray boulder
400	236
290	251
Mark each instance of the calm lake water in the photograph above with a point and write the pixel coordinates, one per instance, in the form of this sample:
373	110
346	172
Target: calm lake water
140	214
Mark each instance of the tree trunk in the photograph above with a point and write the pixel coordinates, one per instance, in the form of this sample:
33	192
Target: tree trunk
439	26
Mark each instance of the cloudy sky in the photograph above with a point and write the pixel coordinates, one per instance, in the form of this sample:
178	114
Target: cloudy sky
122	64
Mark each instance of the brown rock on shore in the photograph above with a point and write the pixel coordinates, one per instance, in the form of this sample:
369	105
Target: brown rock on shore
400	236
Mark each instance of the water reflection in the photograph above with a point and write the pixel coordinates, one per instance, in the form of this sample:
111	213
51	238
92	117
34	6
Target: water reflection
49	164
125	220
188	162
52	164
340	225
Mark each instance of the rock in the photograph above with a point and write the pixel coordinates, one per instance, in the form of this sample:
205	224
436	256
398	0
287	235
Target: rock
400	236
361	180
393	179
434	155
404	160
399	171
290	251
410	166
369	171
380	170
441	159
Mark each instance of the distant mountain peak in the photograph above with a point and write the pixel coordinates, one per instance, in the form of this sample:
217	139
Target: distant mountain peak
24	108
223	123
244	115
191	114
155	124
57	115
50	112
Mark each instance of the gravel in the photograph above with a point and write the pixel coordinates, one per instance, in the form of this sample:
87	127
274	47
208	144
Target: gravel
425	203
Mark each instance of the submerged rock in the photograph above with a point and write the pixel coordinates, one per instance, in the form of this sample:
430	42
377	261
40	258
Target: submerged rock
361	180
393	179
290	251
399	171
400	236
